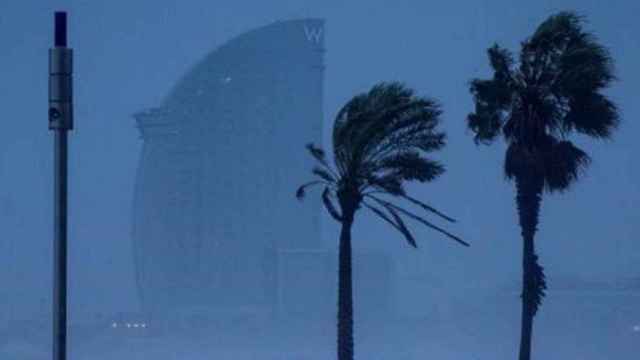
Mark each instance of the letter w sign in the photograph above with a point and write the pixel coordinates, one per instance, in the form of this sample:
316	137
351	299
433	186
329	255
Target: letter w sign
313	34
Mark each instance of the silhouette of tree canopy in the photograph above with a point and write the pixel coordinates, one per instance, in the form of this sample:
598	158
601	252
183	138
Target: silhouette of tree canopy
552	91
379	141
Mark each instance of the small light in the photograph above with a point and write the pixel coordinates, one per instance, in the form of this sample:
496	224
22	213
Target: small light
114	325
144	325
227	80
636	328
135	325
128	325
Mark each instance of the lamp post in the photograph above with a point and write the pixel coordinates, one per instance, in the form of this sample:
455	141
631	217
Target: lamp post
60	122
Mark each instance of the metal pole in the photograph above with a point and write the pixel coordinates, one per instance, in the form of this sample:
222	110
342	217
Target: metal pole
60	122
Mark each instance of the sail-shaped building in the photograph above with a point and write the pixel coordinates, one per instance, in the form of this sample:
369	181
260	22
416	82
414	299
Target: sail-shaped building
222	156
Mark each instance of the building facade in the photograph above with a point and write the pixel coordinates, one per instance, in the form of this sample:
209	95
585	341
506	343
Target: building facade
221	159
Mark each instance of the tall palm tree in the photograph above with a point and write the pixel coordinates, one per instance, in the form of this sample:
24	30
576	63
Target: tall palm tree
553	91
379	138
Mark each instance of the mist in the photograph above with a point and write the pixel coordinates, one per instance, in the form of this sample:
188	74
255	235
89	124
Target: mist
440	301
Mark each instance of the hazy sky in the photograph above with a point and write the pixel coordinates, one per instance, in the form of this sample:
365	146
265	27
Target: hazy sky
129	54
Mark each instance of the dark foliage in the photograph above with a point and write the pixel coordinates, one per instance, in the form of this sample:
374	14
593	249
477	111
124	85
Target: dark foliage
379	141
552	91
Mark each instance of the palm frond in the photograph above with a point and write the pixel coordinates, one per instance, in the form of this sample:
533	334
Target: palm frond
380	138
301	191
492	99
417	202
328	204
586	67
409	165
324	174
593	115
413	216
388	183
576	63
428	208
411	128
348	117
501	61
387	119
402	227
556	29
554	90
565	164
398	224
320	156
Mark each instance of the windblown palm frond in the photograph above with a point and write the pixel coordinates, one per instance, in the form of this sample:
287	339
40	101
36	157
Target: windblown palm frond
380	139
554	90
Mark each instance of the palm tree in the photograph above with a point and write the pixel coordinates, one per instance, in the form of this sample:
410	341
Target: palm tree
553	91
379	138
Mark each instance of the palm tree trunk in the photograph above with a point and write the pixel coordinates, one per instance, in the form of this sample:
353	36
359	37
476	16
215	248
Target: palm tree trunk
345	290
528	201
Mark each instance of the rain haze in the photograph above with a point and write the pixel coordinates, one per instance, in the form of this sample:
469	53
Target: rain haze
141	63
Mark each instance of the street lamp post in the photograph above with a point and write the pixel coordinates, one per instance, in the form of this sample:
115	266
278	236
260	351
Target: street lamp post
60	122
